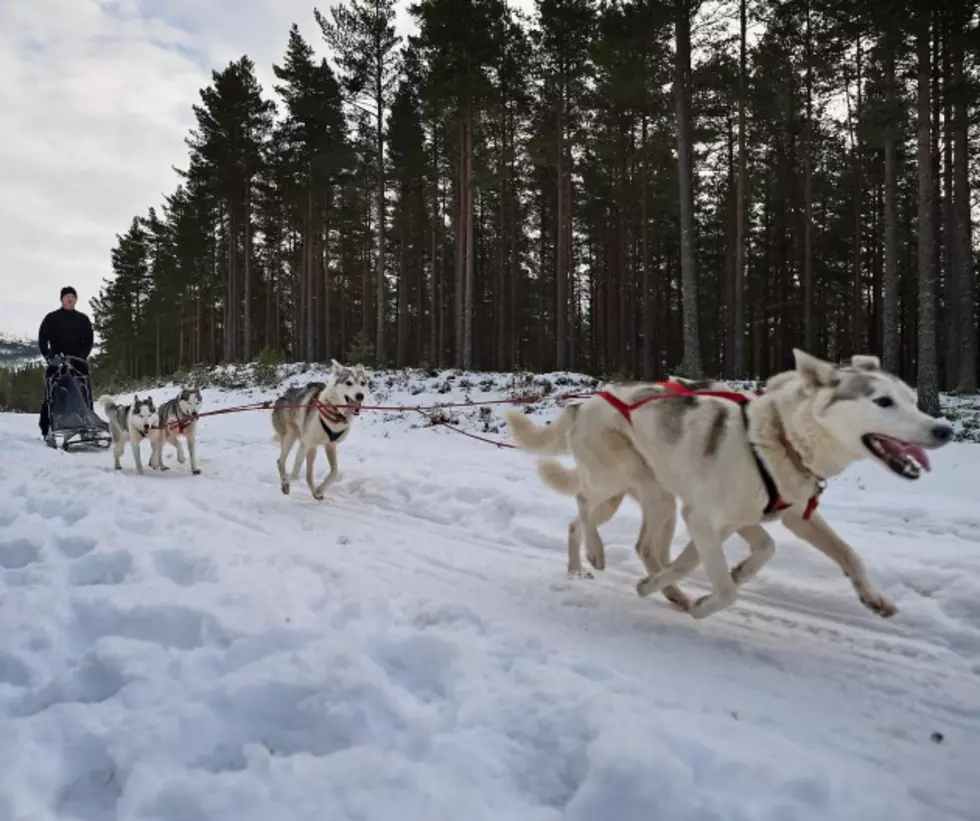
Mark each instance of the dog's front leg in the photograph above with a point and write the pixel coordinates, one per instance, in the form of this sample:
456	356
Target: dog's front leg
137	456
817	532
180	450
333	475
708	542
310	459
761	549
192	450
156	452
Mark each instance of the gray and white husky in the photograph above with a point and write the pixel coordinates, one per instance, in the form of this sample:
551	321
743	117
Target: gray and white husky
310	415
178	417
130	423
734	467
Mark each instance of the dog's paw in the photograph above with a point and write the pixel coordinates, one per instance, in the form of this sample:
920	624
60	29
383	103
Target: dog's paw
579	574
878	604
644	587
181	458
318	495
677	598
196	471
597	560
284	487
701	608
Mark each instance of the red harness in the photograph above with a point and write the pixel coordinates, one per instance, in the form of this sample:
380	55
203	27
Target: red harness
776	502
328	413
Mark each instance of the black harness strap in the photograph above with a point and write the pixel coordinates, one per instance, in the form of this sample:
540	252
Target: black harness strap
332	435
775	502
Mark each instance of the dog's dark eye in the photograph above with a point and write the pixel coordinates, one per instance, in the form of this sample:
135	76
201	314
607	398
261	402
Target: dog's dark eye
349	383
884	401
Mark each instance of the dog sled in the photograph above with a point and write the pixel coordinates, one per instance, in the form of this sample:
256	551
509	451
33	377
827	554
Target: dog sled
73	422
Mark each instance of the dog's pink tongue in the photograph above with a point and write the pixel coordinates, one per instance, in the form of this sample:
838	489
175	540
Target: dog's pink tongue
919	455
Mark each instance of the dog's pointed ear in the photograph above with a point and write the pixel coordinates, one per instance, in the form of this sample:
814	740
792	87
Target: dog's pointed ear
335	365
865	362
816	372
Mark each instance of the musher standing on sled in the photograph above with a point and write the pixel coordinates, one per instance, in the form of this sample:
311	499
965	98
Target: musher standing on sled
64	331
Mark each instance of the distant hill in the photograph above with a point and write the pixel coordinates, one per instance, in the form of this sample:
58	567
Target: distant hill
15	352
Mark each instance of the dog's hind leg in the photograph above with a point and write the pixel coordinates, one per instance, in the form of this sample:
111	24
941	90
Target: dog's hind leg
817	532
659	511
118	446
285	445
300	456
333	475
602	514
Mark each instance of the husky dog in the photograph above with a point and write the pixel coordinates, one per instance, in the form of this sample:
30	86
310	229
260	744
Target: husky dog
734	466
130	423
654	536
310	415
178	417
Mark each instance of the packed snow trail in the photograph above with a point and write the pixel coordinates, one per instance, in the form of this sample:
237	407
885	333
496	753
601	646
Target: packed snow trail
202	647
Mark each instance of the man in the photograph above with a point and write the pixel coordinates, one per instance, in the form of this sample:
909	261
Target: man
64	331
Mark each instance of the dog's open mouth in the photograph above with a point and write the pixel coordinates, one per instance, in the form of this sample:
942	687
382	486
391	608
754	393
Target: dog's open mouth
353	407
899	457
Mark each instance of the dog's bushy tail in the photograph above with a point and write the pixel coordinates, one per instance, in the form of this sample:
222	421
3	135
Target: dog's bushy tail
542	439
567	481
106	402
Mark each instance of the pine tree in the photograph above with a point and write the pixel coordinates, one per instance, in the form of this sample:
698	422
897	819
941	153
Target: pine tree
362	36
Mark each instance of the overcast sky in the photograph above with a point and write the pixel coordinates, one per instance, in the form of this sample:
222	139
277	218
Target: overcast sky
94	108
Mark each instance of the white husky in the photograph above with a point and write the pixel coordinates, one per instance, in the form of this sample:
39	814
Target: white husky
178	417
130	423
734	466
314	415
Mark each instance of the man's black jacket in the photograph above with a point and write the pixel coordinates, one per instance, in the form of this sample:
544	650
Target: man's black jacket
67	332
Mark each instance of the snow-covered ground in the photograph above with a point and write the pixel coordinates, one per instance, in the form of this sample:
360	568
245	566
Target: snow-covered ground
181	648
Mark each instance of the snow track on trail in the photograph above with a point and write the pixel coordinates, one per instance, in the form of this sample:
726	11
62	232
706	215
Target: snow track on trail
180	647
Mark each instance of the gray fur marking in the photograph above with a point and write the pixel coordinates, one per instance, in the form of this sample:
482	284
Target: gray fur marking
673	410
716	433
852	385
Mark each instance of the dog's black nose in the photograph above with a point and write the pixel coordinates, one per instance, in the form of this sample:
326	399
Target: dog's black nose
359	397
942	433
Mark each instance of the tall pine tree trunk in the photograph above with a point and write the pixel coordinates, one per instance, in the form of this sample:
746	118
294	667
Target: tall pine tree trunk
966	381
738	308
809	326
927	380
469	255
891	321
689	272
379	344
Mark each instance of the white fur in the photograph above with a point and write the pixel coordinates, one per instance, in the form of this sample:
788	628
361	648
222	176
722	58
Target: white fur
139	427
802	429
187	410
303	425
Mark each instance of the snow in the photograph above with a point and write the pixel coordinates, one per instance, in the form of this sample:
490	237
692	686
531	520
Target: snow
181	648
